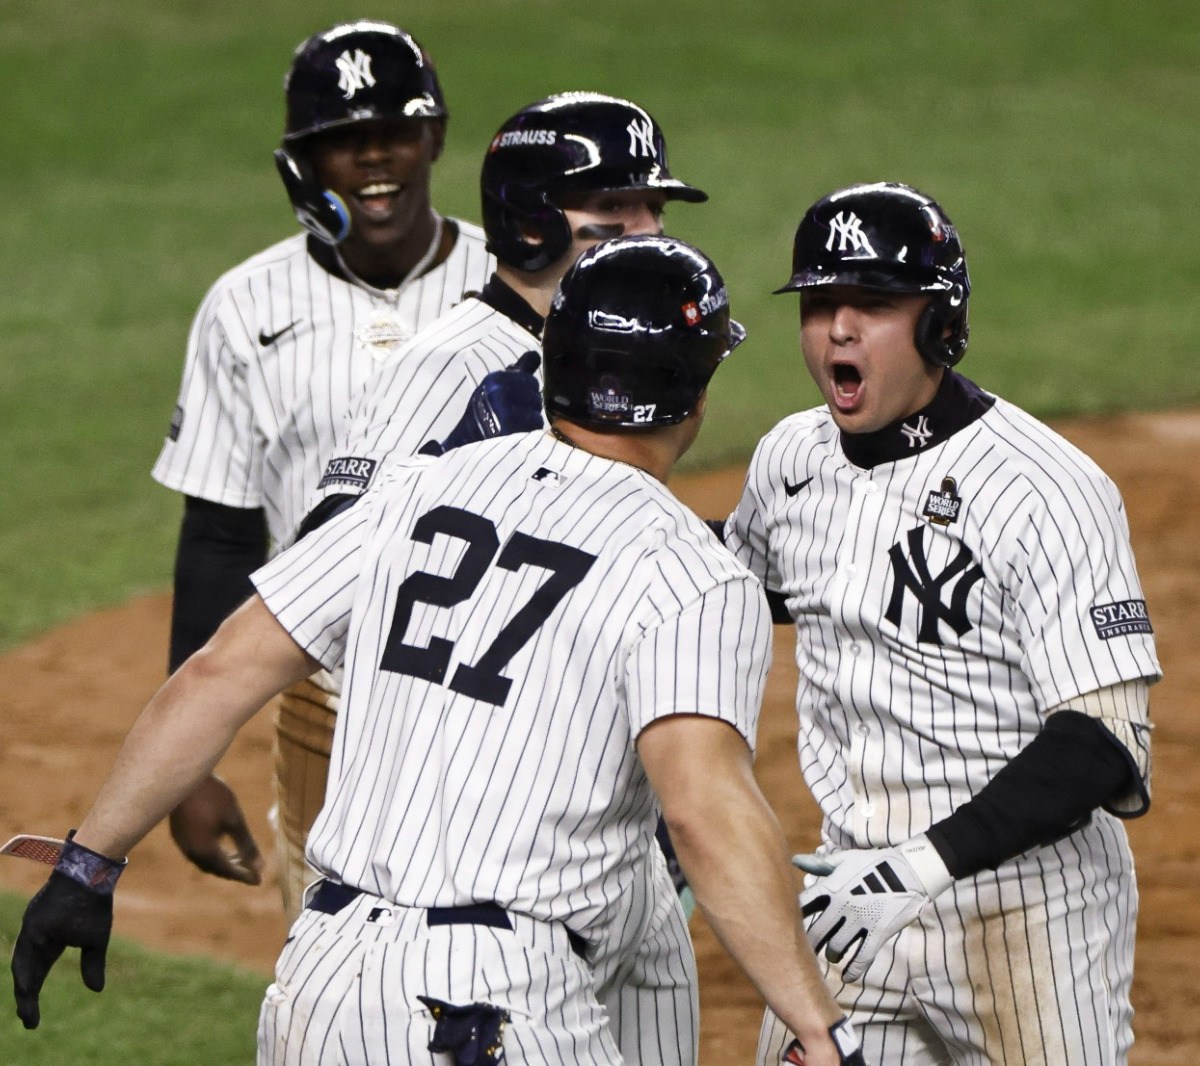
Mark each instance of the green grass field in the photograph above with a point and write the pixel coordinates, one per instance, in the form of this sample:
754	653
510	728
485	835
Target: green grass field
135	154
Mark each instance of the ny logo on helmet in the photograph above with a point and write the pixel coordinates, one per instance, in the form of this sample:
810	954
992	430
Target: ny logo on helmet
641	137
354	72
848	232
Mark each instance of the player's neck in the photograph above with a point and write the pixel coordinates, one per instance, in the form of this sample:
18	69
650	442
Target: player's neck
536	287
654	451
385	267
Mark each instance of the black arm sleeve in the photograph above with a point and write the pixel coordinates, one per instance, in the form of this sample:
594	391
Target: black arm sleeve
1049	790
219	548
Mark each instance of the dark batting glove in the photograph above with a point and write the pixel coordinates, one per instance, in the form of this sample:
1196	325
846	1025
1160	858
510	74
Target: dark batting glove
73	909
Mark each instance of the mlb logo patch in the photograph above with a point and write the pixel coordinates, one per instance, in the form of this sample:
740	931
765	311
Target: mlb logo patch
547	476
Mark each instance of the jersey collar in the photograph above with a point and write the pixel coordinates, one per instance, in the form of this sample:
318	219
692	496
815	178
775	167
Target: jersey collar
958	403
326	257
504	298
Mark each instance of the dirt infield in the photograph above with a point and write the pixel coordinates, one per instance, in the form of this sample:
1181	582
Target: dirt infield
72	695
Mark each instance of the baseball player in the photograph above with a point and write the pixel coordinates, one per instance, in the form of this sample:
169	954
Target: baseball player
283	341
974	655
558	176
538	641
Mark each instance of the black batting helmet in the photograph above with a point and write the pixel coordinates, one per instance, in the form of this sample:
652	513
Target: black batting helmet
569	142
635	331
353	72
890	237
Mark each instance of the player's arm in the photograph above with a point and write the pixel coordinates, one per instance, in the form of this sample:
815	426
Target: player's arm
190	722
174	744
736	859
1089	754
1076	764
219	548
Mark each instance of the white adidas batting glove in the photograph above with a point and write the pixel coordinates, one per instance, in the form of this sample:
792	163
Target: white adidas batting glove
865	896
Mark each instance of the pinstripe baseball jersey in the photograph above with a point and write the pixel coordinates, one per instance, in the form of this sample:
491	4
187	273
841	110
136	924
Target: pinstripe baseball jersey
953	580
421	393
278	348
947	593
511	616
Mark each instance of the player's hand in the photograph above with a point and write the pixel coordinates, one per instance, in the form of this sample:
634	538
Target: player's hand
202	823
505	401
72	910
865	896
845	1044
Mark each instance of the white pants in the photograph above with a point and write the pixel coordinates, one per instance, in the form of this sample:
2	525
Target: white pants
644	967
346	985
1030	964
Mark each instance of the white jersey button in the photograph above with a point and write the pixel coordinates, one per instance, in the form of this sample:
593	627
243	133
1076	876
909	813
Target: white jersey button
867	809
855	648
864	730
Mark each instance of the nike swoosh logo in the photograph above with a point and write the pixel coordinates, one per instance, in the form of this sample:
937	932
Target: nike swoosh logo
791	489
266	339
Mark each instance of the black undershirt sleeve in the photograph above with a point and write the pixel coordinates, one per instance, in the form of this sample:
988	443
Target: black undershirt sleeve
1048	791
219	548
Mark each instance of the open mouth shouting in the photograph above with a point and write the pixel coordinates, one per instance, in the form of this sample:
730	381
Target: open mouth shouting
847	391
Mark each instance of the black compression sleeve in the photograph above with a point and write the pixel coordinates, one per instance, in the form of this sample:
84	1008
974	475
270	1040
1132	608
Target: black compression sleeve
1049	790
219	548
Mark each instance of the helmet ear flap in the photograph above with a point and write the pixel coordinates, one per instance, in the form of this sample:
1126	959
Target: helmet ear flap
506	224
321	212
942	330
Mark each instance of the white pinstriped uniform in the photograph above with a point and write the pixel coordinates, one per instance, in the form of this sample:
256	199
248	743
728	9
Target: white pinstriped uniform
909	703
507	773
421	393
419	396
255	421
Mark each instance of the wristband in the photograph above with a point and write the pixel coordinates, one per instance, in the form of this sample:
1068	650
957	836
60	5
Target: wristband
843	1037
89	868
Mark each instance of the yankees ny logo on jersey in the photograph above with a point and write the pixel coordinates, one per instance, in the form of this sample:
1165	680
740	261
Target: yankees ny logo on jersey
849	235
928	589
355	72
641	137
